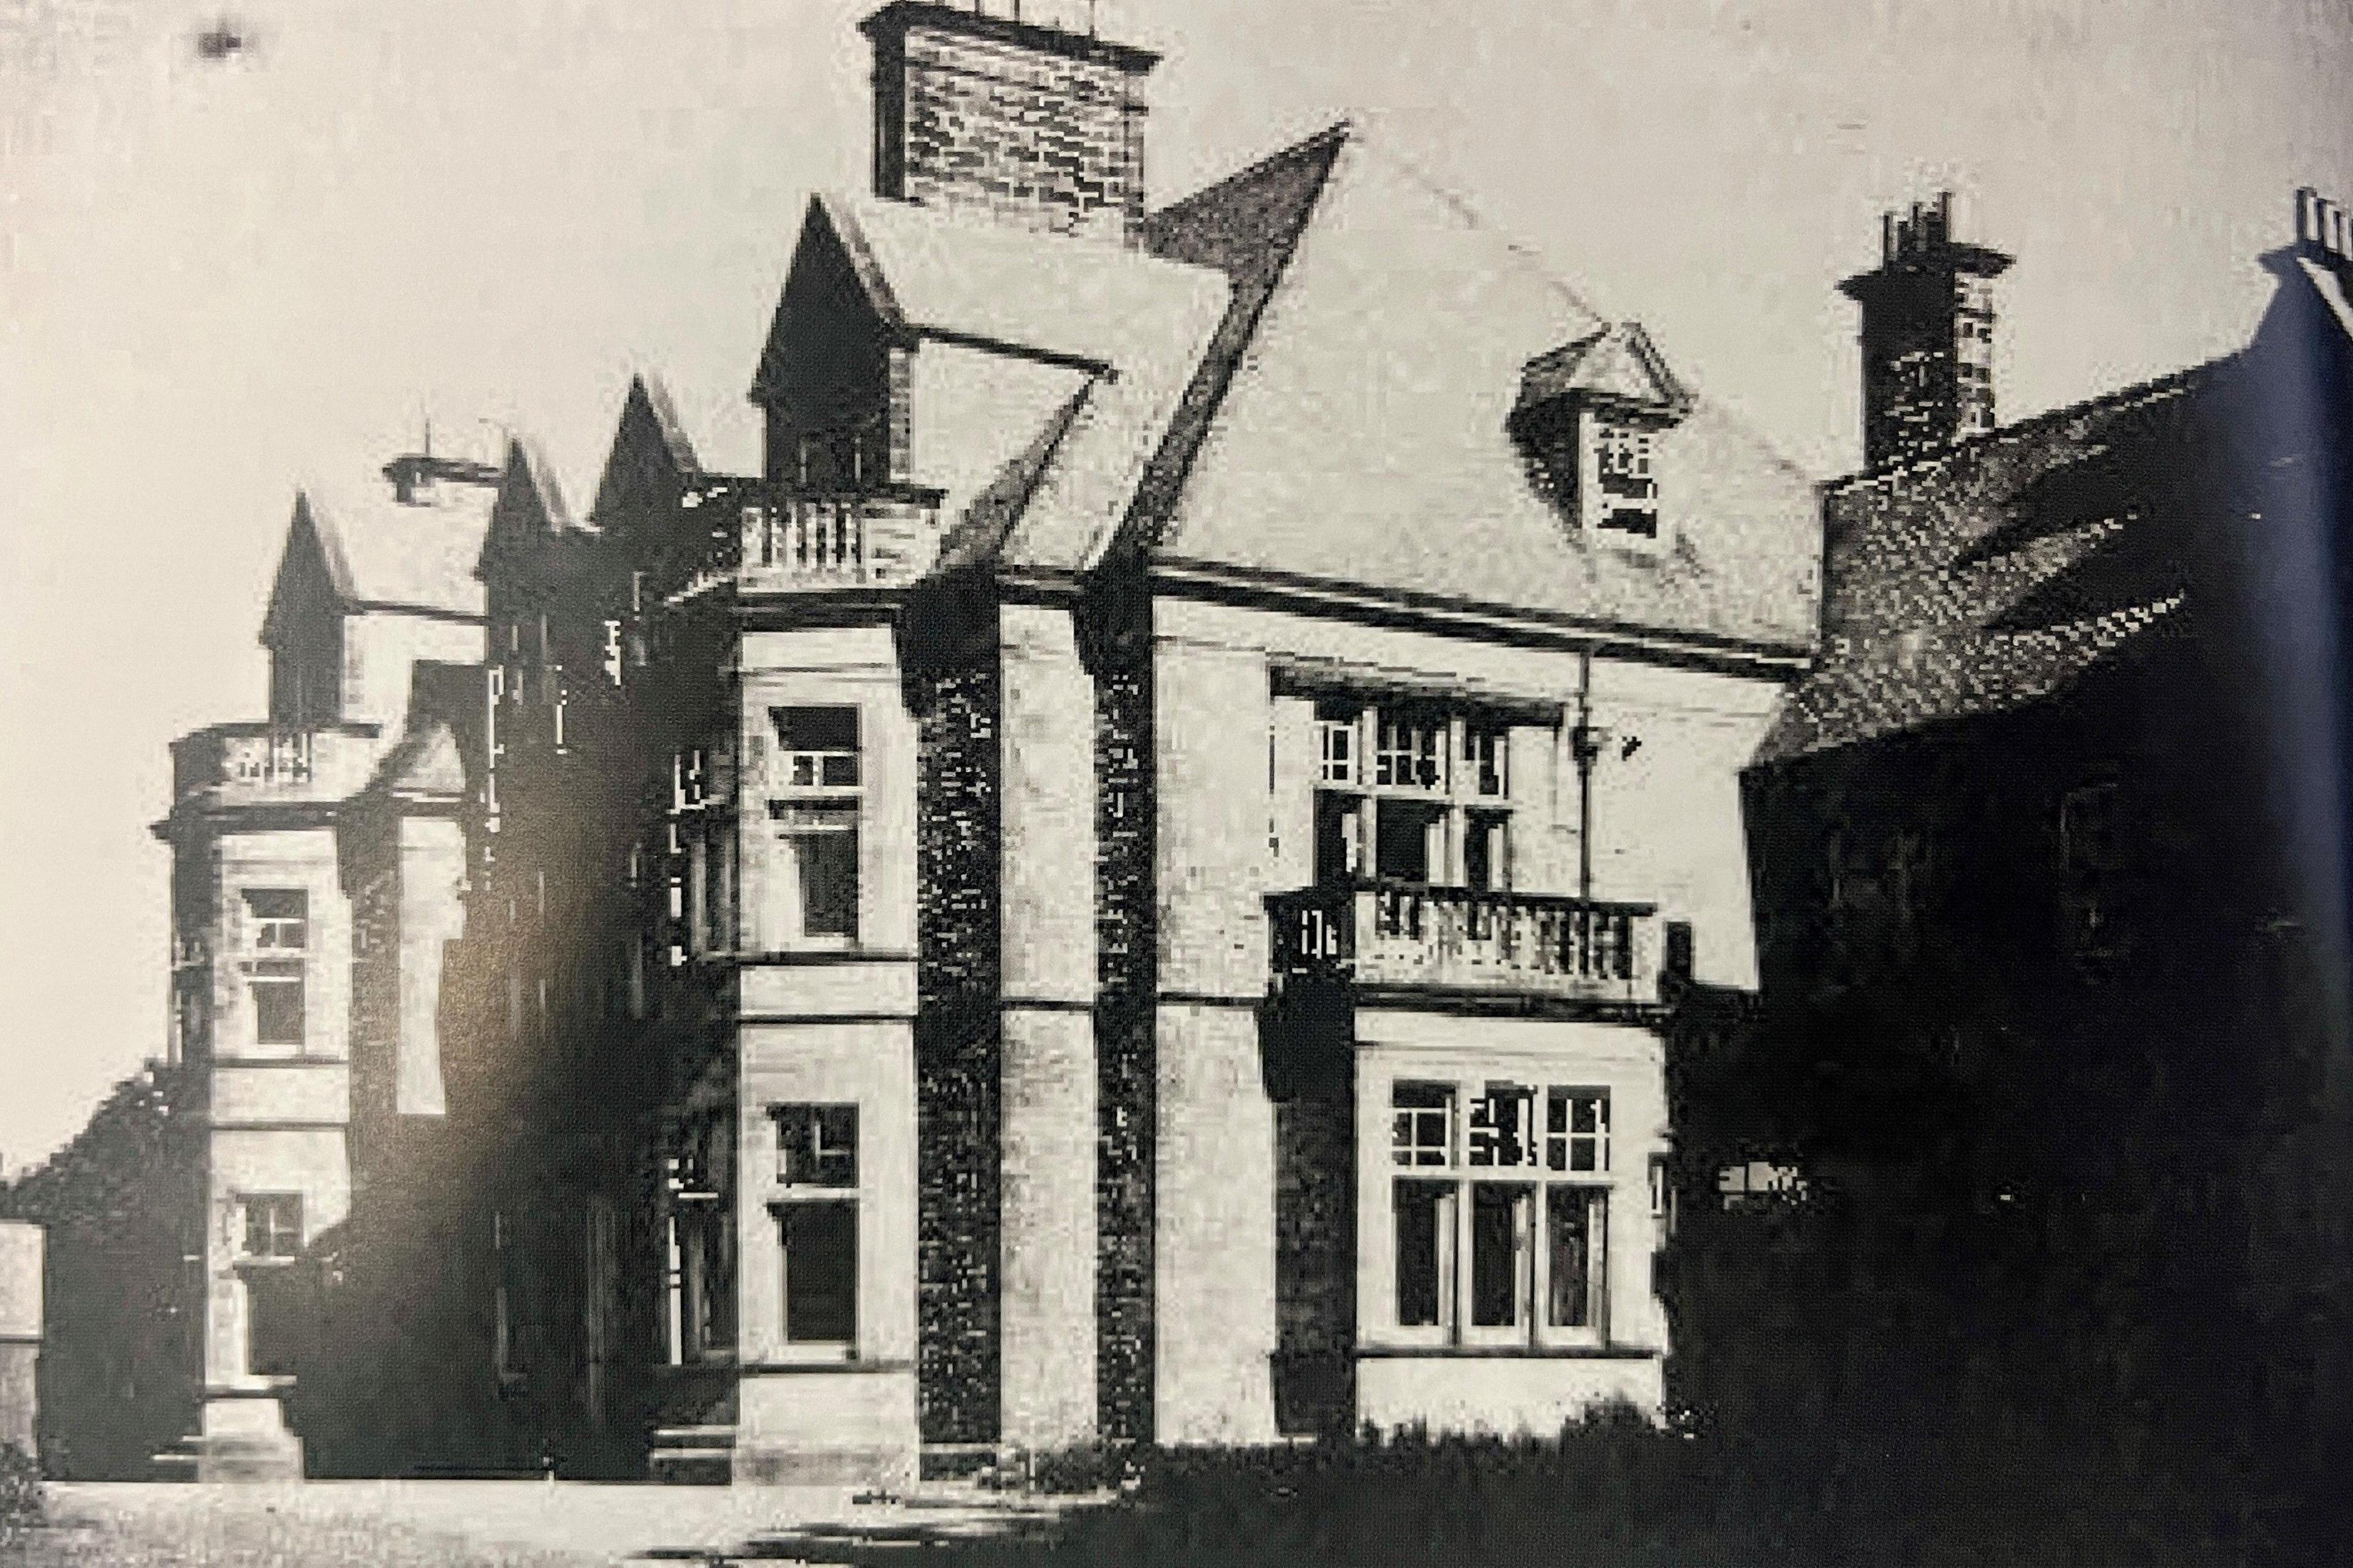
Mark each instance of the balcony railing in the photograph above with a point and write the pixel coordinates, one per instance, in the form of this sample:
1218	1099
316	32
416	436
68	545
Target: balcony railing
1406	934
782	542
237	765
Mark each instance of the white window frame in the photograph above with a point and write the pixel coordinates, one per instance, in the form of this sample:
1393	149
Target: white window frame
833	1179
1516	1151
812	792
1469	748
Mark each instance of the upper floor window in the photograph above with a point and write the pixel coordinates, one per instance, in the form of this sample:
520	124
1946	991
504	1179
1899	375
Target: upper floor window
813	883
277	945
1412	751
1432	807
816	748
1335	737
1624	464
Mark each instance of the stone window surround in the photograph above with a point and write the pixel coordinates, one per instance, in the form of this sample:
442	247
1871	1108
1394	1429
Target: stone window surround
275	951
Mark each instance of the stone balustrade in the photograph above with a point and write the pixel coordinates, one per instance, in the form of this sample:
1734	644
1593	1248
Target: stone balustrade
787	541
1410	935
261	764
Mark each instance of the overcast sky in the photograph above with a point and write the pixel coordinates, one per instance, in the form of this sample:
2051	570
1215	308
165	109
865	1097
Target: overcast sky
217	276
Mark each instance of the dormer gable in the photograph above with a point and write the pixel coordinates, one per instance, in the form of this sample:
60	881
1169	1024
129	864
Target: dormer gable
529	510
825	380
1587	421
313	586
650	464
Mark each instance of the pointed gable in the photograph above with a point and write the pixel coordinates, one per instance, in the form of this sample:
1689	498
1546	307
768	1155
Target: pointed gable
1364	437
527	511
1617	368
834	312
651	462
312	582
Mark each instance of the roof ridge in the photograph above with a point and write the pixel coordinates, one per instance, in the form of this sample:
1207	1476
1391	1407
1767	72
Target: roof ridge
1340	130
1524	252
2171	383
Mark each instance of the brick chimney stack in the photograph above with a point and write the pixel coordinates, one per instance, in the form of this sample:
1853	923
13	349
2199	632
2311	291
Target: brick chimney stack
1927	335
1032	121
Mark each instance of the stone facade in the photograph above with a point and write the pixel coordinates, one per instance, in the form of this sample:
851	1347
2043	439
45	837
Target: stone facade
1065	906
20	1333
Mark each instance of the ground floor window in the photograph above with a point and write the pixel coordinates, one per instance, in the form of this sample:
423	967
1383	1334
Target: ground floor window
1499	1208
816	1207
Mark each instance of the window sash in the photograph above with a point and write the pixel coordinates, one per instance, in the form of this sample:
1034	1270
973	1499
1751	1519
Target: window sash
817	1145
1422	1125
1411	754
273	1225
818	1253
1577	1132
279	1008
815	878
1499	1224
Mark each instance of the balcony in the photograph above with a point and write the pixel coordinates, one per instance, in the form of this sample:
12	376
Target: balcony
1402	934
791	541
263	764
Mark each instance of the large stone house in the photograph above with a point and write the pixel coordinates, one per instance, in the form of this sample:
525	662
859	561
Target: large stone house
2051	847
1127	884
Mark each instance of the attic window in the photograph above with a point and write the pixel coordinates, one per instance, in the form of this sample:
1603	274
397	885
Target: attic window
1587	421
1629	499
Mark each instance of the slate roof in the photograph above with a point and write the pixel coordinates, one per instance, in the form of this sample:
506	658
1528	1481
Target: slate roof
416	556
946	271
1129	327
1352	424
2002	570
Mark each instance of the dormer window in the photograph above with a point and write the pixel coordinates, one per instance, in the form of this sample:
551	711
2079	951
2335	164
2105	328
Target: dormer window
1628	501
1589	422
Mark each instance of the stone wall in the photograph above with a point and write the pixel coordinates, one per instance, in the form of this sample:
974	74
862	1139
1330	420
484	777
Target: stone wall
956	1055
20	1330
1123	955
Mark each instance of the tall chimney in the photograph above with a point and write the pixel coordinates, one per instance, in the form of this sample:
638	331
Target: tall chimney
1927	334
1034	123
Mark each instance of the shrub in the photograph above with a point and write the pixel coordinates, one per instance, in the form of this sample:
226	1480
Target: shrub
20	1491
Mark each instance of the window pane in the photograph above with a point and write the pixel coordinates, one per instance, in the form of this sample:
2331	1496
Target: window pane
1500	1262
277	1012
1338	857
1502	1127
1425	1253
1576	1128
1401	852
1423	1132
817	1145
828	872
1576	1221
820	1272
816	747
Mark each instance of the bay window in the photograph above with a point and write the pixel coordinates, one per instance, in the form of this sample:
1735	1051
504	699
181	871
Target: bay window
1500	1201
